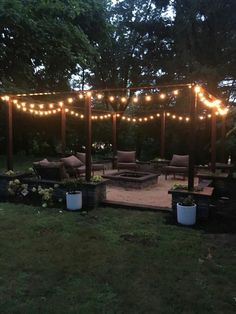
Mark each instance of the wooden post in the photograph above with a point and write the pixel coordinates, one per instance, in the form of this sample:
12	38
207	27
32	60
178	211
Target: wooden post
223	138
163	134
114	138
213	141
9	136
88	132
193	108
63	130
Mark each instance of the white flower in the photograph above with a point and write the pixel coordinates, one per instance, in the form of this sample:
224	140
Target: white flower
44	205
34	189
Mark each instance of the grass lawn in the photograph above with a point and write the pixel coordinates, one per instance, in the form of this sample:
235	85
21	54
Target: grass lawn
111	261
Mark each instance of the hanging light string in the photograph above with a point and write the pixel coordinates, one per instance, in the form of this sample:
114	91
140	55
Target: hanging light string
38	108
105	90
210	101
128	118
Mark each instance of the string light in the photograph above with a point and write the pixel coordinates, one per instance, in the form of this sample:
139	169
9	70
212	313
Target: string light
162	96
197	89
99	96
176	92
123	99
135	99
111	98
148	98
70	100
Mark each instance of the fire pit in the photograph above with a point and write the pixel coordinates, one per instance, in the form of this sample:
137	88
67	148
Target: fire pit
132	179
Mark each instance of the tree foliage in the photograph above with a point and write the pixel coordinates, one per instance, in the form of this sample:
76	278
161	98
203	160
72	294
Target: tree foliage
43	42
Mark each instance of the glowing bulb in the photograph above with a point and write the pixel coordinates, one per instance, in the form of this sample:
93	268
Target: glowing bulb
197	89
41	106
31	105
51	106
70	100
123	118
118	115
158	114
216	102
81	116
61	104
15	101
173	116
176	92
123	99
66	110
99	96
148	98
209	115
201	117
128	119
135	99
140	119
168	114
145	119
89	94
111	98
180	118
151	117
81	96
134	120
187	119
6	98
23	104
162	96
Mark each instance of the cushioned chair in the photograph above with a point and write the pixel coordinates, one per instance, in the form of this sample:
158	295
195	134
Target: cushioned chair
53	171
126	160
74	166
95	166
178	165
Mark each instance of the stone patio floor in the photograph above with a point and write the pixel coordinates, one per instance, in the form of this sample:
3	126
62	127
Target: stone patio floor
153	196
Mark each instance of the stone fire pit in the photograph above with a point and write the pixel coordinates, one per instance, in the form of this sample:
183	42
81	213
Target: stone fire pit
132	179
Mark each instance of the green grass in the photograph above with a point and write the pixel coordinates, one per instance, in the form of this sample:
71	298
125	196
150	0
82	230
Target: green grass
111	261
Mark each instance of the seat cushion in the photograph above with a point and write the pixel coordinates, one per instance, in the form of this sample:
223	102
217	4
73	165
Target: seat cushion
41	162
128	165
173	169
97	167
180	160
126	157
72	161
81	157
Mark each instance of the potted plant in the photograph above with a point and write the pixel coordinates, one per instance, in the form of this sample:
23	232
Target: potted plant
73	194
186	211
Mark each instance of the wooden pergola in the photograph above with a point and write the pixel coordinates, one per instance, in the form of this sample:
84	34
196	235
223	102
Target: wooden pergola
194	92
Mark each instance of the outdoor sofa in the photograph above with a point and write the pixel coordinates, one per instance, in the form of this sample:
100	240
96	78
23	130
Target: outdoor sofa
67	167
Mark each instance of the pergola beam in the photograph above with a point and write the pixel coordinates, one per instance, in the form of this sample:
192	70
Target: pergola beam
88	132
9	136
193	109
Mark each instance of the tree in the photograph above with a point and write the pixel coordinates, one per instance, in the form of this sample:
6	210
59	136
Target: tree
43	42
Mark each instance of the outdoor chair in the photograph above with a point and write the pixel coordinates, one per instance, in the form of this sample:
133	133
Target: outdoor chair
74	166
178	165
126	160
53	171
95	166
